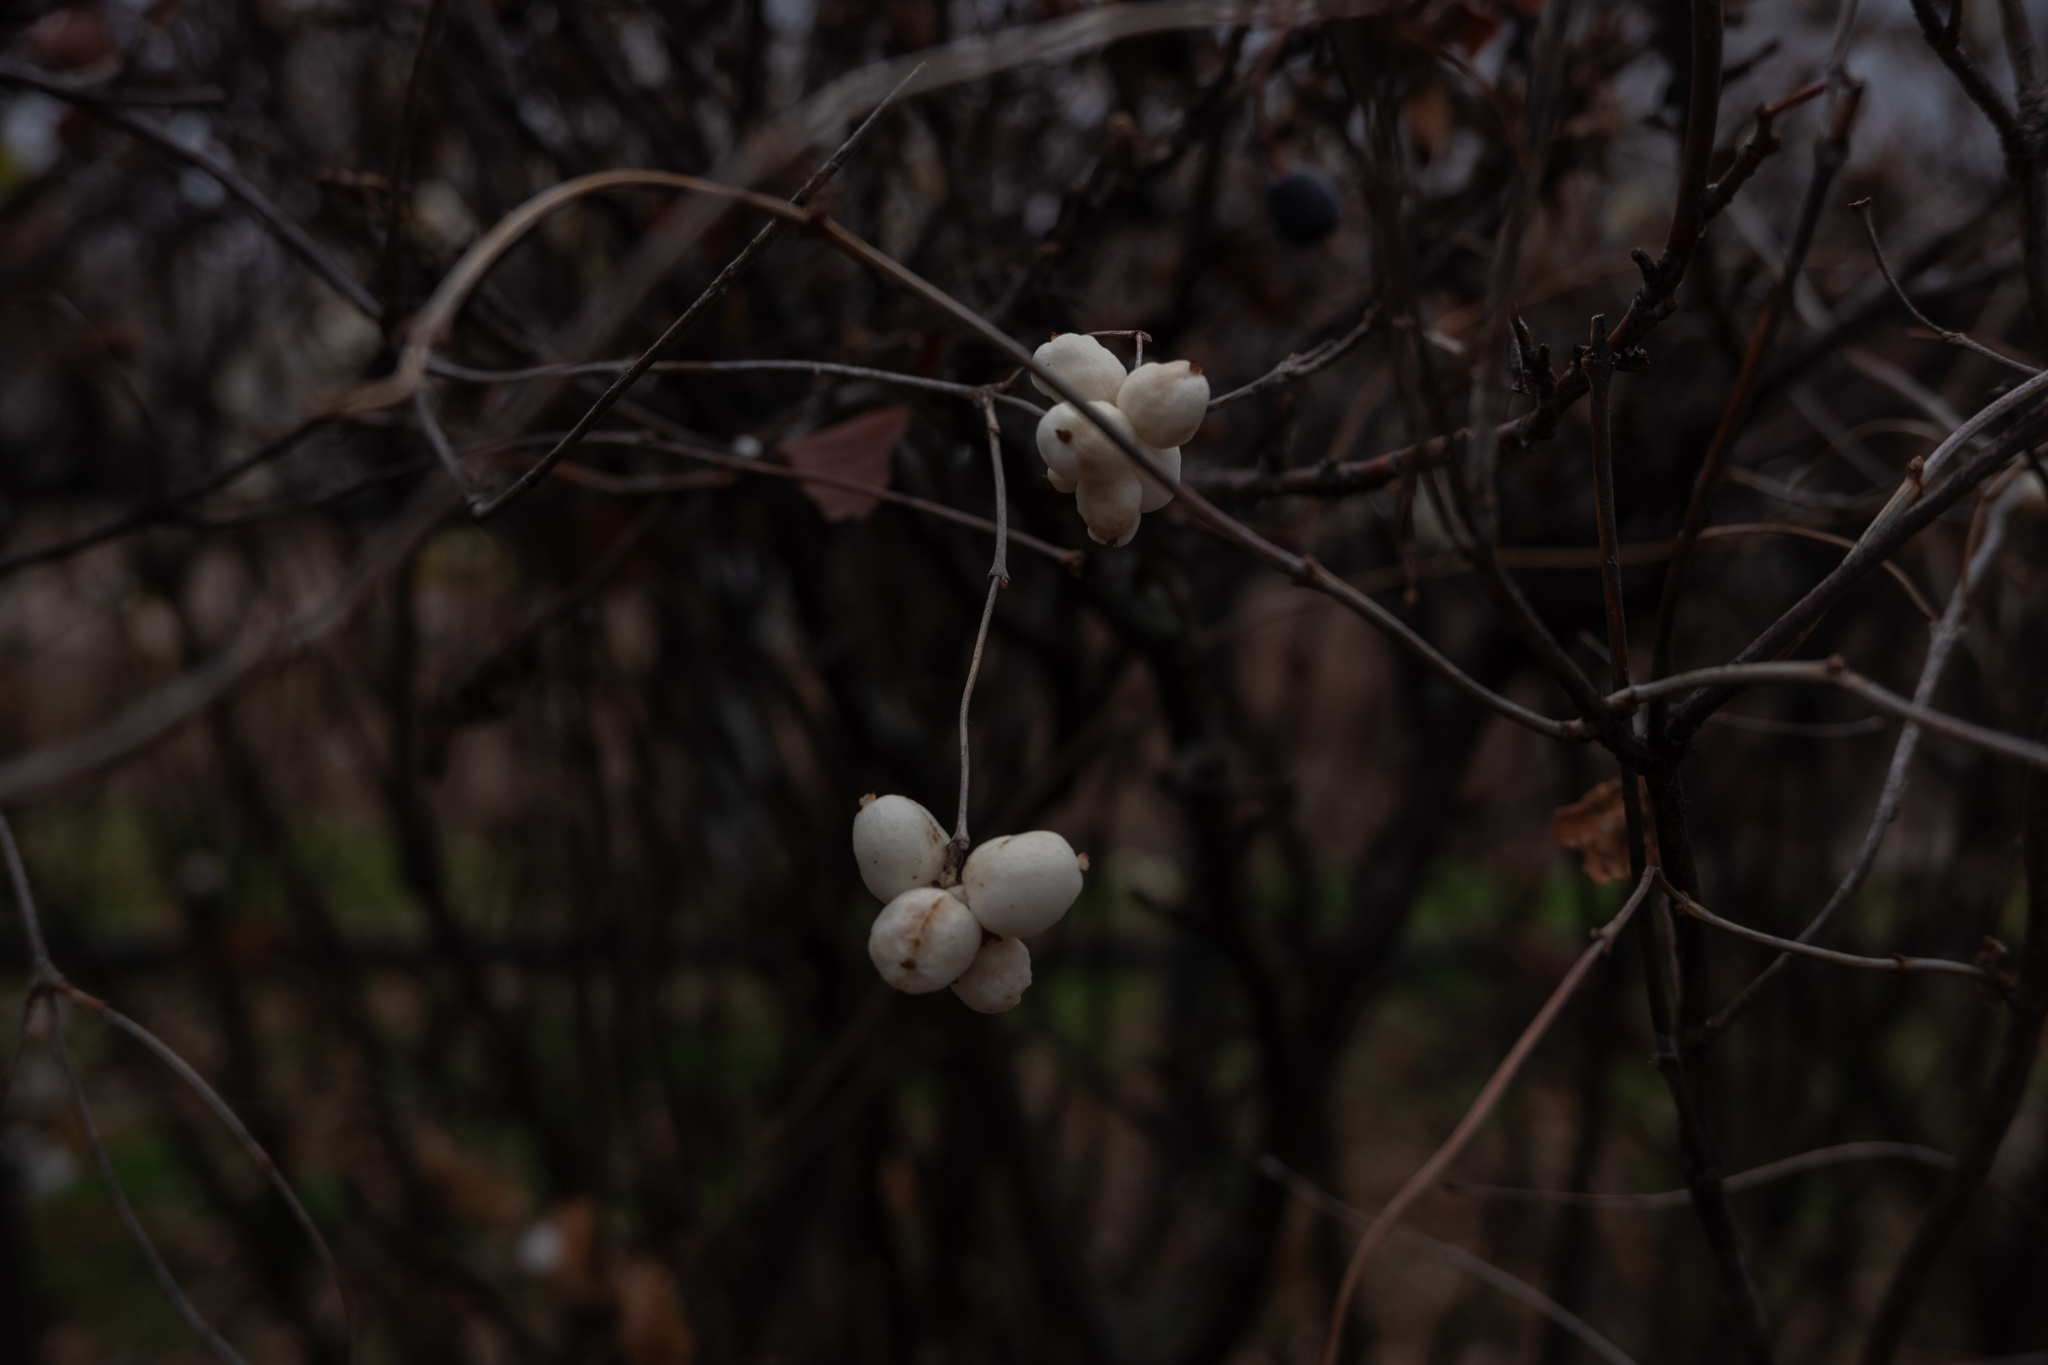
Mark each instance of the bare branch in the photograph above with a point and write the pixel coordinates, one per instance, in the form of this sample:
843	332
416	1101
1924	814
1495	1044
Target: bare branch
1309	1193
1432	1170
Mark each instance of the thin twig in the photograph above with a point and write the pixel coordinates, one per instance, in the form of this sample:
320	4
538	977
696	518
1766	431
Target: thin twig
1828	158
401	164
45	982
998	579
1962	339
287	231
1898	962
1834	673
1295	367
642	485
1946	633
1313	1195
970	392
1913	506
713	292
1747	1180
1432	1170
233	1123
2026	1010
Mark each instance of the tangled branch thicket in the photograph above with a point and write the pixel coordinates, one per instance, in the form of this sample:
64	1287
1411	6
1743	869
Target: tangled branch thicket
489	486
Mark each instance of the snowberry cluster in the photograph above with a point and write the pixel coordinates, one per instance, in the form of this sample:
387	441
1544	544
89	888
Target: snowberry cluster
969	936
1158	406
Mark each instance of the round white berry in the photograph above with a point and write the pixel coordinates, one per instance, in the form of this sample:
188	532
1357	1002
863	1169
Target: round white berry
923	940
999	977
1078	449
1088	366
1057	433
1166	403
898	846
1060	482
1158	494
1018	885
1111	506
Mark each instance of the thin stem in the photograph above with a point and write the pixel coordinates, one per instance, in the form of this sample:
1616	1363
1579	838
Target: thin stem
401	165
1734	1184
1898	962
1829	155
232	1122
1313	1195
713	292
45	980
1967	342
1833	673
998	579
1946	633
1432	1170
970	392
643	485
2027	1009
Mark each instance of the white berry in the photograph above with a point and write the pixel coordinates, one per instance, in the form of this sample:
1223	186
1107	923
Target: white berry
1057	433
898	846
1111	507
1078	449
1019	885
1166	403
999	977
1087	366
923	940
1158	494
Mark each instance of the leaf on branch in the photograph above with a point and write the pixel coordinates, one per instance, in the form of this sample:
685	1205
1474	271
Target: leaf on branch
858	448
1595	827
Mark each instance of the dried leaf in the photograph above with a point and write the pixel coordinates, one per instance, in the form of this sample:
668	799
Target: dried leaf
1595	827
575	1269
469	1185
1476	26
858	448
653	1329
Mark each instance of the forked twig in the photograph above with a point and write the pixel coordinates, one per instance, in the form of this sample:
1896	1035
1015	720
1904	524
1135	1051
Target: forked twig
1734	1184
1432	1170
1898	962
46	983
1319	1199
713	292
1962	339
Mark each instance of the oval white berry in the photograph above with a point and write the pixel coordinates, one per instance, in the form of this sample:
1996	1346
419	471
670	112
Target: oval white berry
1158	494
1166	403
923	940
1057	433
1018	885
1112	507
1078	449
1060	482
1087	366
898	846
999	977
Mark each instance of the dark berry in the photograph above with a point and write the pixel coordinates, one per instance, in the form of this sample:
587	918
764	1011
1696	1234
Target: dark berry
1303	206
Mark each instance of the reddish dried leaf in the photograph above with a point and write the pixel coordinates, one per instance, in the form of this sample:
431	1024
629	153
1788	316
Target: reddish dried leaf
1595	827
67	39
653	1329
1476	26
469	1185
575	1269
858	448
